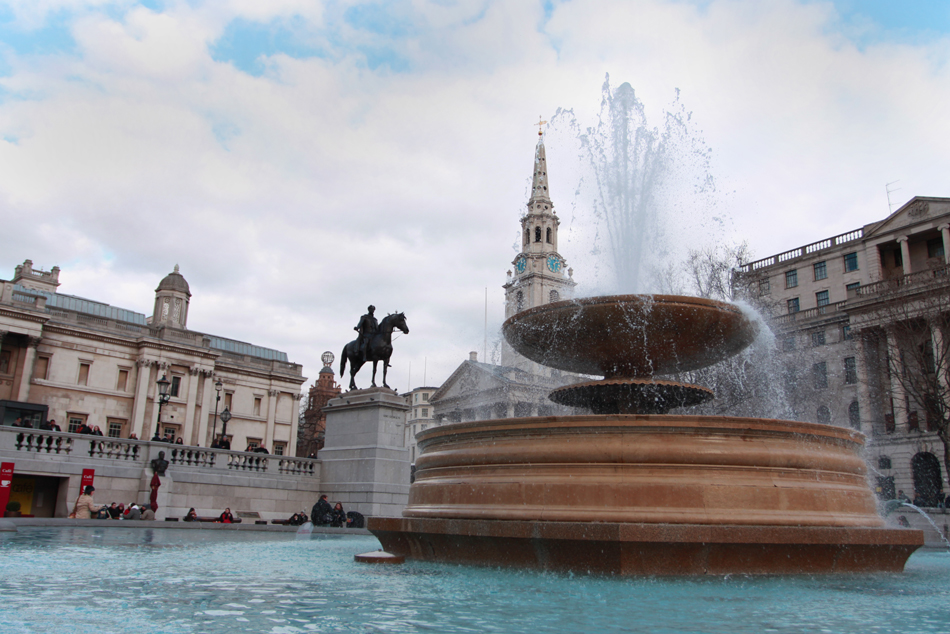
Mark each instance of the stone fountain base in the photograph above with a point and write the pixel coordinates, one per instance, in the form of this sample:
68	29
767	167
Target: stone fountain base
646	494
648	549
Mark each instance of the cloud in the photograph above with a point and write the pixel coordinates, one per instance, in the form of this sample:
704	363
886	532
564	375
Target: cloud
301	160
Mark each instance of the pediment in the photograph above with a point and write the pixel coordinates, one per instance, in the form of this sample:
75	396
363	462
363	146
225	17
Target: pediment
918	209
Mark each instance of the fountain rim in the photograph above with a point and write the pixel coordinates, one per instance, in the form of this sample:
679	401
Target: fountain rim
673	423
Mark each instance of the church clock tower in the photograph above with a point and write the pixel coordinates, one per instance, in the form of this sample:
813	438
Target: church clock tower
541	275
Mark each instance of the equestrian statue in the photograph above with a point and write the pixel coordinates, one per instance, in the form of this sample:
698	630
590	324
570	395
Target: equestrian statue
375	343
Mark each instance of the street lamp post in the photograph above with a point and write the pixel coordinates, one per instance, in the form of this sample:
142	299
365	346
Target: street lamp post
225	417
163	397
214	425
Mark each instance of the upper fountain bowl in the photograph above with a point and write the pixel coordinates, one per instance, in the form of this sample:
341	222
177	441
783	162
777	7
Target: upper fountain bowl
630	335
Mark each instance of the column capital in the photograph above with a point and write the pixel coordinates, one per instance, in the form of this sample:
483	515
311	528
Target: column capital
298	396
33	342
902	238
944	227
194	371
143	363
273	392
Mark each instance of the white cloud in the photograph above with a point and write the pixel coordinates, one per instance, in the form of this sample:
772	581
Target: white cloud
294	199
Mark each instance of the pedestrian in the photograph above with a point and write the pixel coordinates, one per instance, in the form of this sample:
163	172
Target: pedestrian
85	506
226	517
321	512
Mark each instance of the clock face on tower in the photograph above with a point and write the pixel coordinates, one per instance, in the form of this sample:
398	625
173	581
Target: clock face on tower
521	264
554	263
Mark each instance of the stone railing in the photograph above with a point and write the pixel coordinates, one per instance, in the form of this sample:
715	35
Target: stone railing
114	448
192	456
30	300
94	450
905	282
811	313
296	466
42	442
808	249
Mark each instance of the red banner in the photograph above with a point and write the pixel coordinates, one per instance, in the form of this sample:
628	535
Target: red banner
88	475
6	482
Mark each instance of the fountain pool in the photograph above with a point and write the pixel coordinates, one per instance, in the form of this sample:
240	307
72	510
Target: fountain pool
170	581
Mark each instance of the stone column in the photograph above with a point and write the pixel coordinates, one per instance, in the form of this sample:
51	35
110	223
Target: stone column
207	409
898	395
292	445
905	253
141	396
365	461
945	234
864	391
940	358
193	373
273	395
24	392
3	333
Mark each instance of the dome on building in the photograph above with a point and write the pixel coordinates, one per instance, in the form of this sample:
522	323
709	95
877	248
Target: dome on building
174	281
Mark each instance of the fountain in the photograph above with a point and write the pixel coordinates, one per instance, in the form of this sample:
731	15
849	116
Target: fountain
632	489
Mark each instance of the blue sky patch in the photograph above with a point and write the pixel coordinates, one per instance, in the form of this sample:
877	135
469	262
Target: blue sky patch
54	37
245	43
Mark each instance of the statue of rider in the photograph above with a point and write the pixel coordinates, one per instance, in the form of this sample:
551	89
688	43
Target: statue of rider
367	328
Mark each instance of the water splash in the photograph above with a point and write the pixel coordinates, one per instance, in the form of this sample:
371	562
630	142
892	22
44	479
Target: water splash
892	505
644	188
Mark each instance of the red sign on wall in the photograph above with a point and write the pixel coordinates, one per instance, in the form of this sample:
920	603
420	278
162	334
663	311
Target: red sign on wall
88	475
6	482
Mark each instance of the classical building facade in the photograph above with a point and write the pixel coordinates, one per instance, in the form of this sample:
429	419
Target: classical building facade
420	417
858	316
80	361
519	386
311	433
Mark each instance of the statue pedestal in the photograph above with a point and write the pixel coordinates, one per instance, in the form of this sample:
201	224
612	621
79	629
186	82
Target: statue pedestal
365	461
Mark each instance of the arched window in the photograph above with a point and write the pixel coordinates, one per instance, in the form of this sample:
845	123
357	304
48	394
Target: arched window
854	415
554	296
519	300
549	235
537	234
927	480
527	236
824	414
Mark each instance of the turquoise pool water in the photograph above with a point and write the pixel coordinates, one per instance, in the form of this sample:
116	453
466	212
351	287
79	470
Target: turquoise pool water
166	580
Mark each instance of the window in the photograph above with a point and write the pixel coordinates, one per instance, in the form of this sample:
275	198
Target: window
850	262
791	279
792	305
852	288
425	397
527	237
537	234
253	443
821	271
884	462
854	419
819	373
818	338
764	288
935	248
169	432
554	296
175	386
122	383
822	298
846	333
519	301
423	426
257	405
791	379
227	400
889	424
548	236
913	422
850	371
114	427
5	361
425	412
75	422
823	415
280	448
41	368
788	344
83	374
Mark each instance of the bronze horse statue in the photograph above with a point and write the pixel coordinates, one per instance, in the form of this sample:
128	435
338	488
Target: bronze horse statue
380	348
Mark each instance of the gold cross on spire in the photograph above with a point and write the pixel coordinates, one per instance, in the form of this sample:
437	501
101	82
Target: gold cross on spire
539	124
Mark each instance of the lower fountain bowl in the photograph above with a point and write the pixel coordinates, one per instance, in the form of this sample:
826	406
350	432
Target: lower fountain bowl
756	496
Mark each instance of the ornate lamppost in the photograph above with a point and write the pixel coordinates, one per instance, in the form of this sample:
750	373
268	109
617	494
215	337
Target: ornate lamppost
163	397
225	417
214	425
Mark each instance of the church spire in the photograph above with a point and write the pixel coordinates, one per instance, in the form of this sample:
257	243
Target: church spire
539	183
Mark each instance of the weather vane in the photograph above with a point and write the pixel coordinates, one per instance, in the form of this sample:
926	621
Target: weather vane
539	124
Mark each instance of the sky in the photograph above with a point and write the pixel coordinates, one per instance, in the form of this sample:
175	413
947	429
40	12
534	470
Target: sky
300	160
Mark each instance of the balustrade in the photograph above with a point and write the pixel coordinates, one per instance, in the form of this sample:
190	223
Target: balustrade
114	448
192	457
43	442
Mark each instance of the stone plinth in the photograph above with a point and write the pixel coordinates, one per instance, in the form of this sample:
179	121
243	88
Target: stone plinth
365	461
